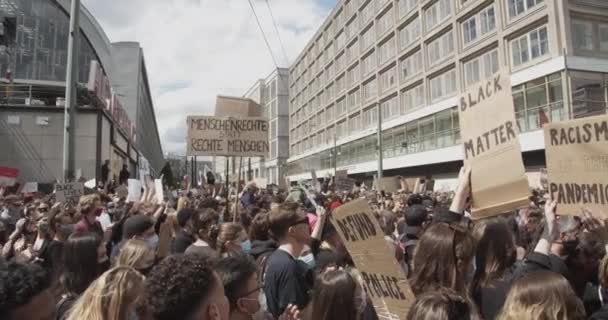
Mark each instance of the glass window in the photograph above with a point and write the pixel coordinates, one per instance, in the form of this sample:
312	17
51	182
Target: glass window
406	6
479	24
603	35
517	7
411	65
388	79
441	48
443	85
530	46
410	33
385	22
437	13
481	67
386	51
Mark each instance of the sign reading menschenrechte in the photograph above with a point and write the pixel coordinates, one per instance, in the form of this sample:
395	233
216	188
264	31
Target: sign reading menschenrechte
215	136
577	164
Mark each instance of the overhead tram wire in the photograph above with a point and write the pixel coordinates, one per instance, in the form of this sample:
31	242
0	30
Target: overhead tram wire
276	29
263	35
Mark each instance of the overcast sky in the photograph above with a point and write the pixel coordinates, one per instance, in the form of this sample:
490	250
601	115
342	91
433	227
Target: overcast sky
197	49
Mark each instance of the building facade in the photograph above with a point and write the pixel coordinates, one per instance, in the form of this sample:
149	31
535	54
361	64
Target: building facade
272	94
33	59
411	59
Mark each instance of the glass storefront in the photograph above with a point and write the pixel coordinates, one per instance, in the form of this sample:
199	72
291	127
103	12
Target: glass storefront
35	41
536	102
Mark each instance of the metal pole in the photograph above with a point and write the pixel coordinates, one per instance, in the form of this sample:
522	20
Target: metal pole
195	177
379	142
71	80
335	155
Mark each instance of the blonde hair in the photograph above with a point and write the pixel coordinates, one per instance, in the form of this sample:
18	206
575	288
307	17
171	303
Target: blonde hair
132	252
542	295
228	232
87	203
109	297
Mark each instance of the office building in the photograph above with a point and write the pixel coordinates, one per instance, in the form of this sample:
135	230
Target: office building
411	59
114	119
272	94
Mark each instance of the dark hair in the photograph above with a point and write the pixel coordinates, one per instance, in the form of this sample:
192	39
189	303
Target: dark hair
235	270
179	285
19	284
260	227
334	296
79	265
209	203
441	259
282	218
183	216
442	305
205	227
495	253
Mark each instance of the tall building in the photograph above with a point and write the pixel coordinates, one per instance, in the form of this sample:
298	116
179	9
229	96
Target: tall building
411	58
114	117
272	94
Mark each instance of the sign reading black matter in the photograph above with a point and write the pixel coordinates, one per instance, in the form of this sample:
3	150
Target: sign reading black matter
491	147
577	164
383	278
216	136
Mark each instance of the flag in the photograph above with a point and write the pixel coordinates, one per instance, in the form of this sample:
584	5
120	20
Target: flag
8	176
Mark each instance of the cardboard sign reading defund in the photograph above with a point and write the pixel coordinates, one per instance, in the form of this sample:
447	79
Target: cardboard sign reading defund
577	164
491	147
215	136
383	279
69	191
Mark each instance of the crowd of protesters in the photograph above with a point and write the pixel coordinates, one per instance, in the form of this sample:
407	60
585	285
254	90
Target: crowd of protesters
265	253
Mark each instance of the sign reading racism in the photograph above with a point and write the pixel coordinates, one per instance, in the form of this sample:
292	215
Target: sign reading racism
383	278
489	134
69	191
215	136
577	164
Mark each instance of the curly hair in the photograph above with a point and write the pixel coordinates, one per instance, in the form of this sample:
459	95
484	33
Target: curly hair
19	284
235	270
178	295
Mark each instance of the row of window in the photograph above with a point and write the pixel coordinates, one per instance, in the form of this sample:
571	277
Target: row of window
476	26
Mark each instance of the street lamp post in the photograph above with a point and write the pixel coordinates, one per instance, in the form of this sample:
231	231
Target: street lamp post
71	80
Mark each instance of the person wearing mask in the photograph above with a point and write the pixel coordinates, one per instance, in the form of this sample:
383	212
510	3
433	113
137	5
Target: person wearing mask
337	295
137	254
25	292
441	305
248	196
84	259
542	295
262	246
184	236
240	278
124	176
206	229
90	209
112	296
185	287
20	242
232	238
286	281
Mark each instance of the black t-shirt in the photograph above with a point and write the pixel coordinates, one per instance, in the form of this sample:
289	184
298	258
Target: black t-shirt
181	242
287	282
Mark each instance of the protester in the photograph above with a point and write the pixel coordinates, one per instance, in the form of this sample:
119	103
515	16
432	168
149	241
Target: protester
232	238
90	209
542	295
25	292
184	237
136	254
105	172
286	281
84	259
20	242
140	227
186	287
602	313
112	296
240	279
124	175
441	305
337	295
204	225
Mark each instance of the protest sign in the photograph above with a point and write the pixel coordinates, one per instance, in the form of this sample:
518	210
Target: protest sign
261	183
341	173
344	184
8	176
315	181
69	191
91	184
383	278
30	187
491	147
216	136
388	184
577	164
134	191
